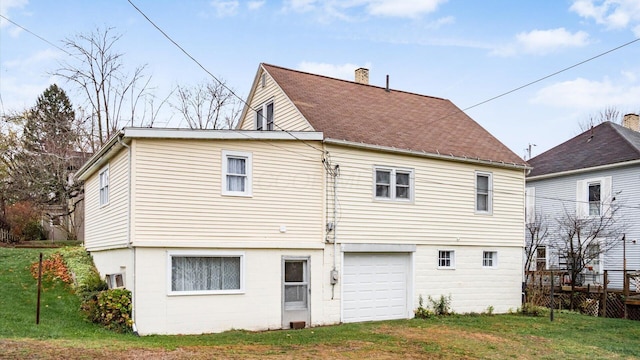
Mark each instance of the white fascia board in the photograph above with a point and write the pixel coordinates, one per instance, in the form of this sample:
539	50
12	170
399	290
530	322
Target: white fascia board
427	155
98	158
585	170
189	134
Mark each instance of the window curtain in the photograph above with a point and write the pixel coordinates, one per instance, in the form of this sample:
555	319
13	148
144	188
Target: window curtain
205	273
236	174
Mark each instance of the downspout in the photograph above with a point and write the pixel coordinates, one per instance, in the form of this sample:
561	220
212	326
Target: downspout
129	242
334	271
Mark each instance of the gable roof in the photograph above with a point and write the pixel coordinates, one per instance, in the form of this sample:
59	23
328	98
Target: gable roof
605	144
359	113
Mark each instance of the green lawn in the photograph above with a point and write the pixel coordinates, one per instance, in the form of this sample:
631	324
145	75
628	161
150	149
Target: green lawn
63	331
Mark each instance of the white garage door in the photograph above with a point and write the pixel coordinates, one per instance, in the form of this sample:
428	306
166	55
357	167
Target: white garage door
375	286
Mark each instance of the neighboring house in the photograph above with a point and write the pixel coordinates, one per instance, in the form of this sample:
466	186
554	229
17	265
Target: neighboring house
333	201
588	175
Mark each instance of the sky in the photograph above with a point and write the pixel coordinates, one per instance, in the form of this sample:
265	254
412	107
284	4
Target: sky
463	50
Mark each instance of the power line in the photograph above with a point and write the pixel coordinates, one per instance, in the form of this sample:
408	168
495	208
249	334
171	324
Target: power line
36	35
209	73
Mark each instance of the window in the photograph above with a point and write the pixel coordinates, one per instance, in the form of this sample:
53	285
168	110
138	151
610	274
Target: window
594	199
393	184
236	173
207	273
483	192
115	280
104	186
541	258
446	259
296	285
489	259
264	117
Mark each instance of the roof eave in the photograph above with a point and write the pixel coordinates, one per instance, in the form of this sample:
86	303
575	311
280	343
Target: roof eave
584	170
450	157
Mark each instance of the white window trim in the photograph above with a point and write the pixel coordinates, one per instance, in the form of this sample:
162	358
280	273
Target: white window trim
489	210
392	184
494	259
582	196
263	107
248	189
112	282
204	253
453	260
101	185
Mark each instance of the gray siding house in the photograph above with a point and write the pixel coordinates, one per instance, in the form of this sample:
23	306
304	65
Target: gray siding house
588	176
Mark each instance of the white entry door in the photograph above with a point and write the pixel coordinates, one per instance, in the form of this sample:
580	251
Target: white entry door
375	286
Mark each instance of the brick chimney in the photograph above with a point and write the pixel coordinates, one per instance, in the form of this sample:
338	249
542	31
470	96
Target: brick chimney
362	76
631	121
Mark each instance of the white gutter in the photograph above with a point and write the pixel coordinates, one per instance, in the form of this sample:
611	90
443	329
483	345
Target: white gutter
96	160
584	170
189	134
450	157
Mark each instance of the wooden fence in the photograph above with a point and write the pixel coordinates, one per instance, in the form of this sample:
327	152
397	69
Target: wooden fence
6	237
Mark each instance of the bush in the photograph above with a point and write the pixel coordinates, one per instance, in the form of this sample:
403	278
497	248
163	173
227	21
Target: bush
110	308
33	231
534	310
422	312
441	306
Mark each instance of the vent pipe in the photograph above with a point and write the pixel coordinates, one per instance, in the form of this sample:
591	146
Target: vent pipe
387	89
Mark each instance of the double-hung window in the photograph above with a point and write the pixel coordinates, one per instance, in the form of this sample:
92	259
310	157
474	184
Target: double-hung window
489	259
393	184
484	192
205	273
104	186
264	117
593	197
446	259
236	173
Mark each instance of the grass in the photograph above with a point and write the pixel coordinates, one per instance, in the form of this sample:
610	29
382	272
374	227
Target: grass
64	331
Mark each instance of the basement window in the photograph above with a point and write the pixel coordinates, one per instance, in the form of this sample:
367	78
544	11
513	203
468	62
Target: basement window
115	281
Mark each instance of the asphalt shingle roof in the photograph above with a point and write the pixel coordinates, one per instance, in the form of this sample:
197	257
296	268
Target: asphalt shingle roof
605	144
345	110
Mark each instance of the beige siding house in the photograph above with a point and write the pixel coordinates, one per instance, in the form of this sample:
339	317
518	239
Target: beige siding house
333	201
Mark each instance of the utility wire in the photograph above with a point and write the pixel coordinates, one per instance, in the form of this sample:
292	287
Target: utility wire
36	35
209	72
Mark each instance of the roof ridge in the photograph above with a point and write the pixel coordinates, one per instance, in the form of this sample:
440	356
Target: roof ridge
355	83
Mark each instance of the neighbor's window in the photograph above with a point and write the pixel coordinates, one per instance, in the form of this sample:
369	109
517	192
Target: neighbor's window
210	273
446	259
594	199
483	192
264	117
104	186
541	258
489	258
236	173
393	183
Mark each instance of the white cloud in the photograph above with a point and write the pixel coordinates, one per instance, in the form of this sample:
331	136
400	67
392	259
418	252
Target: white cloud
225	8
402	8
5	6
387	8
541	42
590	94
255	5
37	58
340	71
614	14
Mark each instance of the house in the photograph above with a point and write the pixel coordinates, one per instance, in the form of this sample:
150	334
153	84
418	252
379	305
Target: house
585	178
332	201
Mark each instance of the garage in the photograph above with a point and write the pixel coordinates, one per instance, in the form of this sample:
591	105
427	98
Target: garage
375	286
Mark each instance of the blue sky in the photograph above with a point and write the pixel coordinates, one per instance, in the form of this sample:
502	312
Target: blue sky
465	51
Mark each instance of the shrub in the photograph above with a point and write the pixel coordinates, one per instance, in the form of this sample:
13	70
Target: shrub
441	306
33	231
534	310
19	216
422	312
110	308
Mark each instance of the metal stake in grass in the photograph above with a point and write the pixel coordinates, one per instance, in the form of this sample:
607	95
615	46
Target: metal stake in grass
39	287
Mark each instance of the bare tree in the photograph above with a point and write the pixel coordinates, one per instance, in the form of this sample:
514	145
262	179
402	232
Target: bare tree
208	105
537	234
100	76
609	113
583	238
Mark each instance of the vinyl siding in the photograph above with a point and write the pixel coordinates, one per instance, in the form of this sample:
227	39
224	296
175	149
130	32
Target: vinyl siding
106	226
178	199
556	195
443	209
286	115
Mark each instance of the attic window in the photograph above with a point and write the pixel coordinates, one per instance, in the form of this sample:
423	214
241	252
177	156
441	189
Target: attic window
264	117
